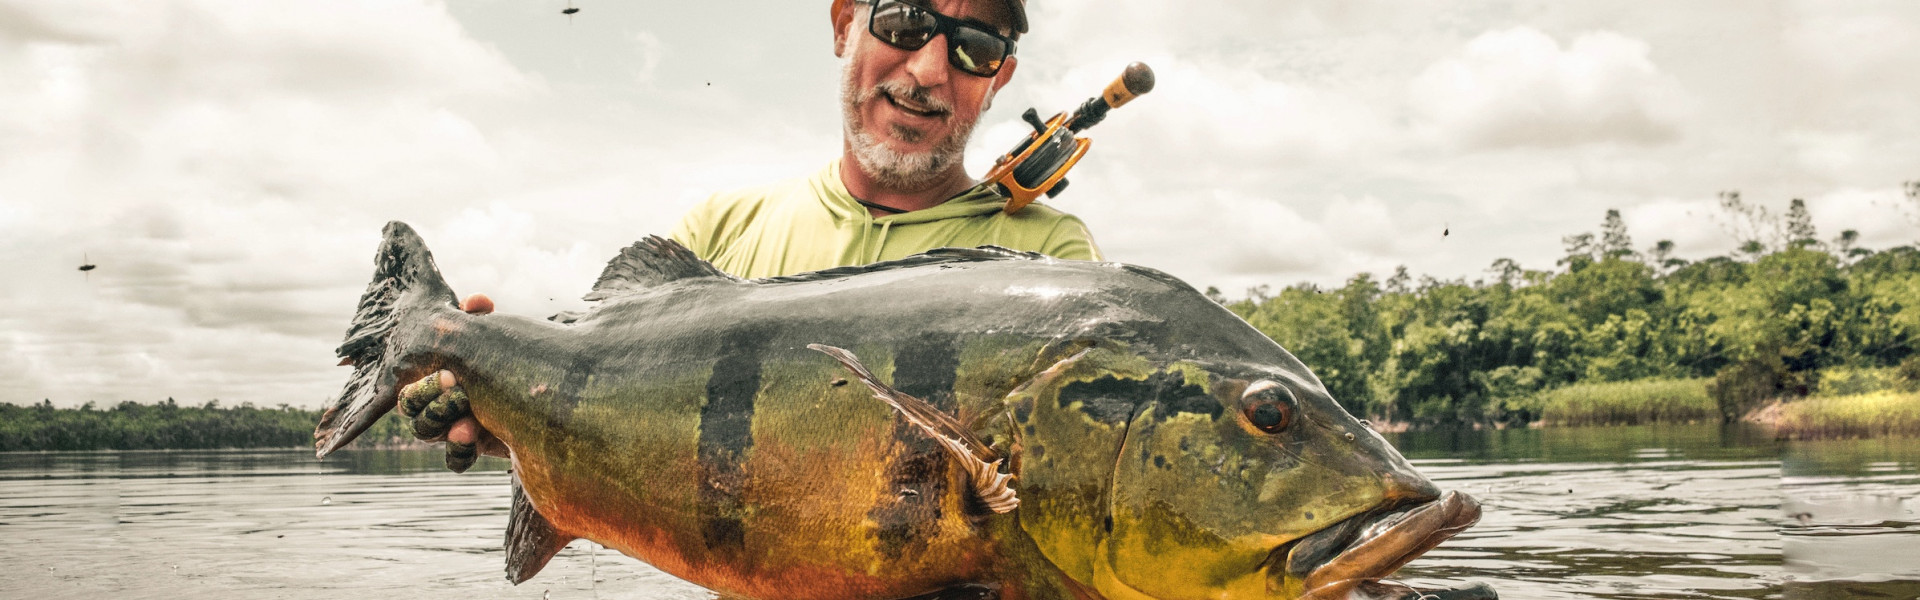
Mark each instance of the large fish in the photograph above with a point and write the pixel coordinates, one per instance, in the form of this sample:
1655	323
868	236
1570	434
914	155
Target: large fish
1043	429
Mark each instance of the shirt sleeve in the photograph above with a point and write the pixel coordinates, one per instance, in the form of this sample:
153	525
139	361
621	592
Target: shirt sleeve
1071	240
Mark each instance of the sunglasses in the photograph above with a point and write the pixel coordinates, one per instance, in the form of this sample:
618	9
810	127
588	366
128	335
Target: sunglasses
970	47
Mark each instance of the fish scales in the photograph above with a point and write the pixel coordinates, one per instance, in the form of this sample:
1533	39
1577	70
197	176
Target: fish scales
686	422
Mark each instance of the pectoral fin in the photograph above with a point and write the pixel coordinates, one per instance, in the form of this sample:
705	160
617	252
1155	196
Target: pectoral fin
531	539
982	463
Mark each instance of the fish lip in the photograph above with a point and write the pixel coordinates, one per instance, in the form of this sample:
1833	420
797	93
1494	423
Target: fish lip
1372	545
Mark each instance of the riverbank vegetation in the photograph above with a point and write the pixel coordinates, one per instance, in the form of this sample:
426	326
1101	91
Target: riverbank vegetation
1615	333
1874	414
169	426
1637	402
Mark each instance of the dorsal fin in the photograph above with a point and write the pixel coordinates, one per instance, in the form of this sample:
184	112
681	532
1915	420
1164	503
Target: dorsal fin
531	539
649	262
982	463
930	257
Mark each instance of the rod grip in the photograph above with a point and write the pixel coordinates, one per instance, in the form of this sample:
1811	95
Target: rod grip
1137	79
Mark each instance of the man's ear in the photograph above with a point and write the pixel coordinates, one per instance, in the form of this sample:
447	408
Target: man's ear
1000	79
843	11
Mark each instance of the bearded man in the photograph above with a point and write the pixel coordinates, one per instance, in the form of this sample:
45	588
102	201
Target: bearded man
916	76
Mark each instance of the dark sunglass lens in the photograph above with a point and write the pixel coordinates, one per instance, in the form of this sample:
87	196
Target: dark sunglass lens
976	51
903	25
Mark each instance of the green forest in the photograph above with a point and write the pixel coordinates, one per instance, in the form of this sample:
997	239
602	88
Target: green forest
1612	334
169	426
1630	333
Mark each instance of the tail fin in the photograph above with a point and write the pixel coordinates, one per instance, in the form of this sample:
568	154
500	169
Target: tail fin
405	282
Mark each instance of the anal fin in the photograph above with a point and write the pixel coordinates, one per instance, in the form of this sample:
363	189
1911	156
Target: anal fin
531	539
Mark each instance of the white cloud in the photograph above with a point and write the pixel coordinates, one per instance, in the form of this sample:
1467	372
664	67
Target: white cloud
214	160
1698	227
1884	217
1226	112
1691	225
1518	88
1856	42
651	51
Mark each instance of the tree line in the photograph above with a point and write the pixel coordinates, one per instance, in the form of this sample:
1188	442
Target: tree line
1763	322
168	426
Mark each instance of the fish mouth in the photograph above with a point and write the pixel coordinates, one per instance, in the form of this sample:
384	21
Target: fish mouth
1353	555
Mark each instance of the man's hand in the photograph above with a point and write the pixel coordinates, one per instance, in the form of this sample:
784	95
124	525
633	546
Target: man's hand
438	408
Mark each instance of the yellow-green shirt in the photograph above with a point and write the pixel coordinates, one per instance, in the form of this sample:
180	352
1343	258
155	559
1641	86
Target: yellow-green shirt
813	223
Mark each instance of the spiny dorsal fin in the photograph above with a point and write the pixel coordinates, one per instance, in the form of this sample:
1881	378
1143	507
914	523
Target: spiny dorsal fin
981	462
649	262
930	257
531	539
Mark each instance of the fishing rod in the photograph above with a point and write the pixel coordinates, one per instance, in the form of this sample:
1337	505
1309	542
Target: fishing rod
1038	165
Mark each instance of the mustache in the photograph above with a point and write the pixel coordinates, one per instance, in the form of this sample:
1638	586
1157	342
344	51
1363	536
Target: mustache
904	91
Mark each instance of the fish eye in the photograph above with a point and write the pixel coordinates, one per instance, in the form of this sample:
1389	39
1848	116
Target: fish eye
1269	406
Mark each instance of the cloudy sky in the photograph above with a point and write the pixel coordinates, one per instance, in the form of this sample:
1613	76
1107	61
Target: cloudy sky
228	164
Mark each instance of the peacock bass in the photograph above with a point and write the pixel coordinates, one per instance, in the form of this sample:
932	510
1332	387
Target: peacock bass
965	423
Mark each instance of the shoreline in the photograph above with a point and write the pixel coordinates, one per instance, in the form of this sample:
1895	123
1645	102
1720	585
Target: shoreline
1871	415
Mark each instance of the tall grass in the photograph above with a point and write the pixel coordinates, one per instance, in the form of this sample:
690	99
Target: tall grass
1628	403
1884	413
1845	381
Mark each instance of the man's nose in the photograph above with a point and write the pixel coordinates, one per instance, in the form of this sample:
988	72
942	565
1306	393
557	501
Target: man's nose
928	65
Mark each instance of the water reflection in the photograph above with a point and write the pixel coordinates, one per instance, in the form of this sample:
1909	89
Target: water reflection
1673	512
1594	444
1640	512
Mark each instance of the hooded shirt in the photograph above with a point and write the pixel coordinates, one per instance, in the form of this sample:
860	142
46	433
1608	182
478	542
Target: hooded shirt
813	223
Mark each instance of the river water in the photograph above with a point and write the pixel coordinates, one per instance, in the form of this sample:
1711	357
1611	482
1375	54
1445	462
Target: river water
1626	512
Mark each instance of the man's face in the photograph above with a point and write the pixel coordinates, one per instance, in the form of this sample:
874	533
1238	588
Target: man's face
909	113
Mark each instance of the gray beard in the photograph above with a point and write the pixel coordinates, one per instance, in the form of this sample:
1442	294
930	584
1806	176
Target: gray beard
892	169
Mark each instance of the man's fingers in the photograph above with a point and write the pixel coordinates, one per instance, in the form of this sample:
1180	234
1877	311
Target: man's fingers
468	431
439	415
416	395
465	431
440	411
478	304
463	444
460	457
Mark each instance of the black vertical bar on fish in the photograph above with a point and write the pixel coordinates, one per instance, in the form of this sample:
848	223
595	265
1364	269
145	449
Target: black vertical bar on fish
566	397
726	433
925	367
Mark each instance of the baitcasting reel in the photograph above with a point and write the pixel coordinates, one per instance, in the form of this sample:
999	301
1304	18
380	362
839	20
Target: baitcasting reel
1039	164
